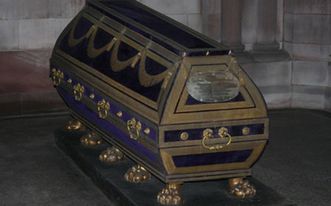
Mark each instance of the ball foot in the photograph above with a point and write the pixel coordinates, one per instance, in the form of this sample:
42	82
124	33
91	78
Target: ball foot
111	155
74	125
91	139
241	188
170	195
137	174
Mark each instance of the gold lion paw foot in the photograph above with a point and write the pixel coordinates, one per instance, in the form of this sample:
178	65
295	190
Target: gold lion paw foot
137	174
111	155
91	139
74	125
241	188
170	195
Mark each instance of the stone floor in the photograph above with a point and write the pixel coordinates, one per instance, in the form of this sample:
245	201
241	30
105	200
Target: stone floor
34	172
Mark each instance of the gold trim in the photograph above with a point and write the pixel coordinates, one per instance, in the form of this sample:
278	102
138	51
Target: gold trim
183	127
106	88
144	140
167	154
145	79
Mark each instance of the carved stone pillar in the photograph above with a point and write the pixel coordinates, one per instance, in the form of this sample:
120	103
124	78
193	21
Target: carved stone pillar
231	24
211	18
267	25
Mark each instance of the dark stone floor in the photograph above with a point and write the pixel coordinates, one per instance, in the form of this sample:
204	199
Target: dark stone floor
296	163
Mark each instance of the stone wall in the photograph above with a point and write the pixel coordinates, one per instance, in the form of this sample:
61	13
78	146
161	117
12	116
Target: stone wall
36	24
284	45
187	12
307	37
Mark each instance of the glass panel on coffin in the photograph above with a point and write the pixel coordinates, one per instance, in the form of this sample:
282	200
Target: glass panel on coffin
215	84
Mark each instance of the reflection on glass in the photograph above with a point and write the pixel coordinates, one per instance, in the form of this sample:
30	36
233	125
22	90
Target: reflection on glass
212	84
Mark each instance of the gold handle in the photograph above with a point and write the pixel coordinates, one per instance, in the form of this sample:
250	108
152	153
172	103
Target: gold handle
222	133
103	108
134	128
78	91
57	76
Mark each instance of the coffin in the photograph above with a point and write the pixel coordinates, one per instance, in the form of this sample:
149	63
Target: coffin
174	101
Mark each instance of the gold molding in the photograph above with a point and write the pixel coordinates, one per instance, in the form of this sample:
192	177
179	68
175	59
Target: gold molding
168	153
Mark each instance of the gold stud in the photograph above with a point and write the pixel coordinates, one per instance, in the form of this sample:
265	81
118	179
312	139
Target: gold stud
69	81
92	96
119	114
147	131
184	136
246	131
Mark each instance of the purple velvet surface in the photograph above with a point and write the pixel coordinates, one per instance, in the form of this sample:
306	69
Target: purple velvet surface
211	158
107	127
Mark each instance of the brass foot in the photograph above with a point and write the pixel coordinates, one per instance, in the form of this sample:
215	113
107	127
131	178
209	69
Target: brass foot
170	195
74	125
90	139
241	188
137	174
111	155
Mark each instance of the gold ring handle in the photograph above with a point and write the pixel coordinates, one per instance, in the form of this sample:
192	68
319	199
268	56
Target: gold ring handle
134	128
222	133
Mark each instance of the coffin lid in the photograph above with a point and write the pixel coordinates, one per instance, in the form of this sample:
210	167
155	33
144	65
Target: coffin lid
163	30
131	49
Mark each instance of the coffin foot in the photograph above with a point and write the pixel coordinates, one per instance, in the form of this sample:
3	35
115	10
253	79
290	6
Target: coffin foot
91	139
241	188
74	125
137	174
111	155
170	195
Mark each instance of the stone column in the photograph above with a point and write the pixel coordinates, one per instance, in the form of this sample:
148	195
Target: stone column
211	18
231	24
266	35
